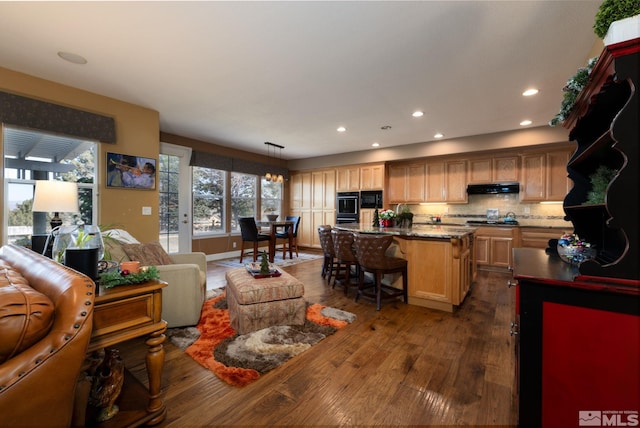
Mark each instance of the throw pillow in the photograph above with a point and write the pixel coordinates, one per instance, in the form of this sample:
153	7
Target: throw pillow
150	254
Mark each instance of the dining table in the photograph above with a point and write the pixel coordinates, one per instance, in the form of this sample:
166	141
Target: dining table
273	229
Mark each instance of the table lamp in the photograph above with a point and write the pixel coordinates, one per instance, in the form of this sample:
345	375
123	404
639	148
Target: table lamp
55	196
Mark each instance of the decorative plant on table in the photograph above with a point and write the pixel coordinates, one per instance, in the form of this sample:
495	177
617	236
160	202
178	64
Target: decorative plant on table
376	218
264	264
77	237
116	277
405	218
387	217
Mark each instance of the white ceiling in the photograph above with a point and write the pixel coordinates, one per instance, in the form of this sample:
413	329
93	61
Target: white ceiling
241	73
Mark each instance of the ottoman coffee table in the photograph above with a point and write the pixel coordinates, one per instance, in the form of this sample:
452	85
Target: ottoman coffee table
257	303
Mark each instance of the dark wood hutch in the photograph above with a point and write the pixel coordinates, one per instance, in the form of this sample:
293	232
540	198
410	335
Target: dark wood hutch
577	328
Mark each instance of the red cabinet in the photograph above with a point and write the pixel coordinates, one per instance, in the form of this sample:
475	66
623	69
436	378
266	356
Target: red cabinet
579	345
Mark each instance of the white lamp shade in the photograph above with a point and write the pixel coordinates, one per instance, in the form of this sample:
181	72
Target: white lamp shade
55	196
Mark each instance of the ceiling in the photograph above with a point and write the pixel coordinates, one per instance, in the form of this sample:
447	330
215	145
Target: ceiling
241	73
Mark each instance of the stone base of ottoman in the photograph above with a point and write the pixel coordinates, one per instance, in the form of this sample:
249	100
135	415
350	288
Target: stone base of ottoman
255	304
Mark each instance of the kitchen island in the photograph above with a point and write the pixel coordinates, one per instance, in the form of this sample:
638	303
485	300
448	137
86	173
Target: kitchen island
441	262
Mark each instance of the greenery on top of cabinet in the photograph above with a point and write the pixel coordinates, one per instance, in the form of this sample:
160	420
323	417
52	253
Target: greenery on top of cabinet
599	182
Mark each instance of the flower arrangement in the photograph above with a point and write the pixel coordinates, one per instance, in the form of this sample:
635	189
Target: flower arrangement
387	214
116	277
574	250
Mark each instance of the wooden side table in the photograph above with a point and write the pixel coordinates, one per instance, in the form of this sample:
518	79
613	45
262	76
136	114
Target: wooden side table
122	313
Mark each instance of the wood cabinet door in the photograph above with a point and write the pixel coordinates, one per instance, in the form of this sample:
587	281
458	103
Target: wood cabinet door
480	171
481	250
533	177
456	181
501	252
558	182
434	174
505	169
372	177
415	183
301	191
366	216
397	184
329	190
348	179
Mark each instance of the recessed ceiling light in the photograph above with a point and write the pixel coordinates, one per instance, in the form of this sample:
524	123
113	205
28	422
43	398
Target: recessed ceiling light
375	145
438	135
341	129
417	113
525	122
71	57
530	92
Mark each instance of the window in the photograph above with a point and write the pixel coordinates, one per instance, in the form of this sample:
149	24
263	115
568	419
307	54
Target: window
31	155
243	197
271	201
208	201
168	180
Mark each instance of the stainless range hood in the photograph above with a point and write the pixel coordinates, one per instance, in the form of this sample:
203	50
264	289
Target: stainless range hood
493	188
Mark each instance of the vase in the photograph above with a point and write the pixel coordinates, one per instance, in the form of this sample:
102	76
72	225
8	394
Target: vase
386	222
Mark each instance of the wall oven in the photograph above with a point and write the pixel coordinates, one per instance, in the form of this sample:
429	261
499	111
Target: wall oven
347	207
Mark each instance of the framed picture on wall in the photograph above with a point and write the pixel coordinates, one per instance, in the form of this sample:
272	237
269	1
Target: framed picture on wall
131	172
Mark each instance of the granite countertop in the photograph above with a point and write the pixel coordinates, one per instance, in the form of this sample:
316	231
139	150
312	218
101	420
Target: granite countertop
417	231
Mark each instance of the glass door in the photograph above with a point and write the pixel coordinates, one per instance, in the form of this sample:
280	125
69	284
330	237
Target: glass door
175	202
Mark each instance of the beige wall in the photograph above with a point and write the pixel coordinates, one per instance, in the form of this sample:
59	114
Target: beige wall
137	132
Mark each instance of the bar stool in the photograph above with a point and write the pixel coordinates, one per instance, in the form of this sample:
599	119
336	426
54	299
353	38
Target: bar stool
370	252
344	259
326	242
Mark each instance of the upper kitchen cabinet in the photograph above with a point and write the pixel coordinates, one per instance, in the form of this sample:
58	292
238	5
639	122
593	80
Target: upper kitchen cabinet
348	179
456	181
544	176
603	205
406	183
500	169
372	177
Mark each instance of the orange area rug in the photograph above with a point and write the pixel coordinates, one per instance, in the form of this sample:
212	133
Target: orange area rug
239	360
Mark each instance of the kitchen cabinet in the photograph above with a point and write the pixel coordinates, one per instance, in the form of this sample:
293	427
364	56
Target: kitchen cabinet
366	216
348	179
538	237
435	183
499	169
372	177
313	198
440	270
494	245
456	181
605	127
576	342
406	183
544	176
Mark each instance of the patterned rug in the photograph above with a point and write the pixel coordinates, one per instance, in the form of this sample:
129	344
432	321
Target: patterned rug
278	261
241	359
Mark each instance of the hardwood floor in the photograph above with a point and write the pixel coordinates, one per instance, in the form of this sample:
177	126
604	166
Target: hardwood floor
404	365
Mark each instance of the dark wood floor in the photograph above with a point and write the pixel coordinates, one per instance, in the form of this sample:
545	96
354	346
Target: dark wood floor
404	365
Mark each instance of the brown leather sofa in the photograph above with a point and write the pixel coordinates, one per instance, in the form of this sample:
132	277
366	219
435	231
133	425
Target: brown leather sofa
46	313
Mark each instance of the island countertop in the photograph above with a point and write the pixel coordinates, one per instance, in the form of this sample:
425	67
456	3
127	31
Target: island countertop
417	231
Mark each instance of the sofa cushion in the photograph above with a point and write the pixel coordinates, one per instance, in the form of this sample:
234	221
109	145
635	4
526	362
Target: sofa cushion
150	254
26	315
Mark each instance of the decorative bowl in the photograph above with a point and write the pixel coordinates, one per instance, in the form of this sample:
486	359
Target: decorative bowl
574	251
272	217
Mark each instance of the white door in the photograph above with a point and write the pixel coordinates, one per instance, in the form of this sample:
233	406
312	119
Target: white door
175	198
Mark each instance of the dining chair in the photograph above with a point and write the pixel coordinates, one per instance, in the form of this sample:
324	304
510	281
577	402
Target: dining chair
289	241
370	252
249	232
326	243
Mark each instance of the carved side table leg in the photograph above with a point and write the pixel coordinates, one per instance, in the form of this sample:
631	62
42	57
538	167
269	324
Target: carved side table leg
155	363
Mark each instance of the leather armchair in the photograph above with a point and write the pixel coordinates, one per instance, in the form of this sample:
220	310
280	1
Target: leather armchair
37	385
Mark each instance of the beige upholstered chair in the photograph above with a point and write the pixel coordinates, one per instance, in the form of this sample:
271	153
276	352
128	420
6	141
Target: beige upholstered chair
185	274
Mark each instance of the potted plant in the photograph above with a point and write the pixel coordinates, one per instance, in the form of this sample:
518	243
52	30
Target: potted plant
386	218
611	11
79	247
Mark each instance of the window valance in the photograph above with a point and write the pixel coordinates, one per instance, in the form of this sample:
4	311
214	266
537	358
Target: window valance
31	113
211	160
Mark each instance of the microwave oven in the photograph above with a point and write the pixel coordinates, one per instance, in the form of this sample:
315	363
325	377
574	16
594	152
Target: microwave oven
371	199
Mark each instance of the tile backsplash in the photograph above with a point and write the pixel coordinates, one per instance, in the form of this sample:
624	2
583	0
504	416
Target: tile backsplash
527	214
